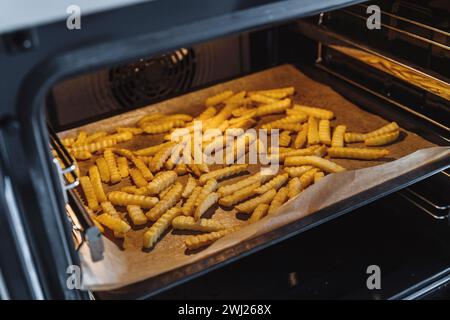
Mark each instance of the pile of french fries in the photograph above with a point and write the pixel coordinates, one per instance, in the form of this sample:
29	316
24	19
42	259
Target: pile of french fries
154	196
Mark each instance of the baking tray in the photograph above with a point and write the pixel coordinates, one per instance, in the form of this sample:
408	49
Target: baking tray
168	263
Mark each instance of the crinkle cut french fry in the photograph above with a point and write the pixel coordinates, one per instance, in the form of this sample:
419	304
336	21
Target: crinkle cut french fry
297	171
357	153
294	119
190	185
122	165
146	159
325	132
294	187
276	107
381	139
250	205
338	136
124	153
108	208
239	112
207	203
278	200
95	136
315	112
68	142
103	169
89	193
313	131
352	137
156	230
161	182
232	188
163	193
81	138
223	173
171	198
260	98
94	175
301	138
315	161
236	98
137	178
289	126
194	169
210	186
180	169
160	157
259	212
275	183
112	166
137	215
318	175
189	206
114	223
202	240
150	118
207	114
308	178
285	138
278	93
82	155
118	137
393	126
180	116
143	168
189	223
240	195
218	98
151	151
161	127
133	130
120	198
132	189
95	146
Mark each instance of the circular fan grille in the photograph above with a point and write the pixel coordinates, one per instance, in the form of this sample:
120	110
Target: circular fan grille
148	80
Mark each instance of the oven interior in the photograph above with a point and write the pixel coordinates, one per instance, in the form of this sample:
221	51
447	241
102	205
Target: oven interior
386	71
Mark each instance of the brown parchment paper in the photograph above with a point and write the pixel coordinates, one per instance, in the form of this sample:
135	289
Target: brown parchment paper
126	263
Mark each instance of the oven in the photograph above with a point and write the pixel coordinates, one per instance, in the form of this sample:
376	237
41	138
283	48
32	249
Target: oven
122	59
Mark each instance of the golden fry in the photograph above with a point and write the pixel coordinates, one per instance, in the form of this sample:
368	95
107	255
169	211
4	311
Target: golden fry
143	168
250	205
94	175
381	139
161	182
294	187
301	138
137	215
318	113
171	198
259	212
112	166
218	98
180	169
393	126
352	137
318	175
210	186
338	136
150	118
190	185
240	195
114	223
276	107
202	240
205	204
325	132
285	139
207	114
260	98
223	173
122	165
294	119
137	178
95	146
297	171
156	230
82	155
103	169
81	138
358	153
123	152
189	223
89	193
308	178
108	208
189	205
151	151
313	131
232	188
160	157
274	184
315	161
120	198
278	200
95	136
